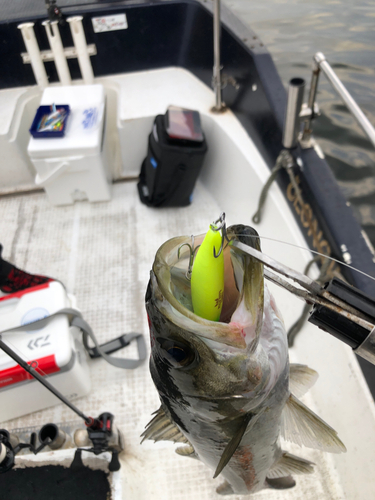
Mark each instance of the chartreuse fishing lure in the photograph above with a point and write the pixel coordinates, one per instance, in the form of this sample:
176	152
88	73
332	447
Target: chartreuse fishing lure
207	278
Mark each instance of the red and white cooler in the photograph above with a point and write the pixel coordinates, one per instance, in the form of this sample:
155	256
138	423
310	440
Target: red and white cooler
55	351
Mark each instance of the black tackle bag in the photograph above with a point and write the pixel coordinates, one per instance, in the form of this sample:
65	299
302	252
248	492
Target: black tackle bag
171	168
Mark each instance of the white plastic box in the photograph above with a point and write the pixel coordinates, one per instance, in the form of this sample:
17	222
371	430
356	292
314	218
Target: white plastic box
74	167
55	350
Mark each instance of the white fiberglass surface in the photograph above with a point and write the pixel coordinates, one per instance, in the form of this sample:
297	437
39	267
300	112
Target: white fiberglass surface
103	252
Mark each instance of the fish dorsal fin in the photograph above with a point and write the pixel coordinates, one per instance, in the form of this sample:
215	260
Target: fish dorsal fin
302	426
290	464
248	421
161	428
301	379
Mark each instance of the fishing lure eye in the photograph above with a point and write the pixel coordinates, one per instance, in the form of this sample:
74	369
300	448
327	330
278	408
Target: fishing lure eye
176	353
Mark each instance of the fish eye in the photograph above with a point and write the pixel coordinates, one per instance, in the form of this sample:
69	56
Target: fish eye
178	354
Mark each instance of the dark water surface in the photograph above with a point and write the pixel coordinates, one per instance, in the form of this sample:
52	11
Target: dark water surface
293	31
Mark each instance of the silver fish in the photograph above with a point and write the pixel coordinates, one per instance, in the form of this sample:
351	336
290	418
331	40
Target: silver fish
226	388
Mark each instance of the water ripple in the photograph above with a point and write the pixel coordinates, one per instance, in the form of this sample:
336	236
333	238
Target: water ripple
293	32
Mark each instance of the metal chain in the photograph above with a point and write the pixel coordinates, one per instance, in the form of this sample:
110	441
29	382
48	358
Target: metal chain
328	268
263	195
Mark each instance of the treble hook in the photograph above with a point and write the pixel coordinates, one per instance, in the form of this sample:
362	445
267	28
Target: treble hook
218	225
191	256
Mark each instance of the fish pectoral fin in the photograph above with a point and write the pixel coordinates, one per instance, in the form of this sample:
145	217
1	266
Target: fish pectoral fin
186	451
161	428
301	379
249	419
290	464
225	489
302	426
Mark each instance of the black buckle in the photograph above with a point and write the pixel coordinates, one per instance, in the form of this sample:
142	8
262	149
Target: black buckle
111	346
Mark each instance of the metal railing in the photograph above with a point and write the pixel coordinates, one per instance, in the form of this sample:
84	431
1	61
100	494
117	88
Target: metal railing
310	111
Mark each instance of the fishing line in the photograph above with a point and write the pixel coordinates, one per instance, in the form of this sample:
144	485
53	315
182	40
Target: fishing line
314	252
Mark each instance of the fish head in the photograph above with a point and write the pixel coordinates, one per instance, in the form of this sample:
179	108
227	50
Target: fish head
196	359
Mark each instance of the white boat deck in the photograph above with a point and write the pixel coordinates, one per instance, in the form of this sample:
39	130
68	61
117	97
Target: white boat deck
103	252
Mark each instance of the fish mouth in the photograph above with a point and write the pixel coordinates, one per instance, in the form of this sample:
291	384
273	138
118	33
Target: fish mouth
243	289
251	303
216	398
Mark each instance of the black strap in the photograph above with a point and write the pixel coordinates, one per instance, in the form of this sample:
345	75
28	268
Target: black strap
75	319
111	346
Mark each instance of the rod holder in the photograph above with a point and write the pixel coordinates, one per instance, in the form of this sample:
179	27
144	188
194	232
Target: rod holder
292	120
216	78
51	434
311	110
28	35
81	438
53	34
3	453
6	451
79	40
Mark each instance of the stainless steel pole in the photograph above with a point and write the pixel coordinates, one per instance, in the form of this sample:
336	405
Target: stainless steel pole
307	131
345	96
293	109
217	67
